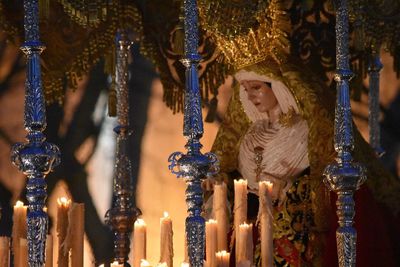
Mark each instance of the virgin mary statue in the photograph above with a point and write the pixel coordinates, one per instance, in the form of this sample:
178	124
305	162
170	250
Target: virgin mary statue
283	115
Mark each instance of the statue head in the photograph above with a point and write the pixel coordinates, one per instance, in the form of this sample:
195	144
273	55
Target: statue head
260	94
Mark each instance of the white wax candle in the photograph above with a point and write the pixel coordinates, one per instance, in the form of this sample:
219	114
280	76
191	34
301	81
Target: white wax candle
222	258
144	263
63	206
4	251
76	231
245	244
266	220
23	249
221	215
240	208
19	229
211	242
166	244
49	251
139	242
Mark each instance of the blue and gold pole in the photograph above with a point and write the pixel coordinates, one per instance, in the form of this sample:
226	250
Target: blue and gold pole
344	176
35	158
193	166
123	213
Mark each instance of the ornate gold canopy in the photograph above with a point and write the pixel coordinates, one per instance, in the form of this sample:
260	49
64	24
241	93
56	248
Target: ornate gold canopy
77	34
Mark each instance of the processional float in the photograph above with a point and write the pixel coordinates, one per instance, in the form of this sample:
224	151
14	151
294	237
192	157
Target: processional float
36	158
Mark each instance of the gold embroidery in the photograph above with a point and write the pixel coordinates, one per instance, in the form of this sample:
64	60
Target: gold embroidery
289	119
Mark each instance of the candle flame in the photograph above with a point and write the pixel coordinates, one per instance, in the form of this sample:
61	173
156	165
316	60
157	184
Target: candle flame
144	263
140	222
245	225
63	201
269	185
101	265
166	214
240	181
211	221
19	204
222	253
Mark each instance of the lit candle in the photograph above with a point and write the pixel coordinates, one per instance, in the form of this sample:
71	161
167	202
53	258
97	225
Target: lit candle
240	208
245	244
266	220
23	256
19	229
211	242
76	218
222	258
144	263
116	264
221	215
62	229
49	251
4	251
166	244
139	243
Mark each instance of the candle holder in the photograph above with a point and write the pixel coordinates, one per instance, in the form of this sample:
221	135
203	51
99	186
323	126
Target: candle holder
123	213
374	69
193	166
35	158
344	176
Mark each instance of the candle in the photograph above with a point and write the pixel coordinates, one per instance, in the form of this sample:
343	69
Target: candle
62	229
211	242
144	263
245	244
221	215
49	251
139	243
222	258
23	250
19	228
116	264
4	251
75	233
166	245
240	208
266	220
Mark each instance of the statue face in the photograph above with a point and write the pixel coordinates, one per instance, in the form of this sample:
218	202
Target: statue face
260	94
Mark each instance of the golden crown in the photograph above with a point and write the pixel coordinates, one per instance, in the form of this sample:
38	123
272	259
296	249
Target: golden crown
247	31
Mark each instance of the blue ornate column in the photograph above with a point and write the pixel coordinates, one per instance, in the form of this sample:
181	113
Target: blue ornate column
374	69
193	166
123	213
35	158
344	176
